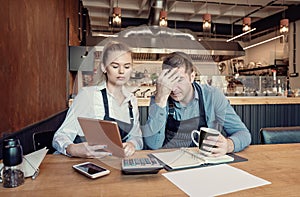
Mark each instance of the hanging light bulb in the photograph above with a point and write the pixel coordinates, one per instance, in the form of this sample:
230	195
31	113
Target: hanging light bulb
246	24
284	26
163	19
206	23
117	16
284	22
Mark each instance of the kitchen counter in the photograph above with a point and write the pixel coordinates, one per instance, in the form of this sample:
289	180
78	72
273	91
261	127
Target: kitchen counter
262	100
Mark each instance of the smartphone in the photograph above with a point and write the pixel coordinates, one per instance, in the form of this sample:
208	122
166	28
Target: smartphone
91	170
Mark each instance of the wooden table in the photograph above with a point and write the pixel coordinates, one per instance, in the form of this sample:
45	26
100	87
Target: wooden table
279	164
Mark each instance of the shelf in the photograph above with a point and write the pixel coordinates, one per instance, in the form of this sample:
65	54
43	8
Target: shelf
263	68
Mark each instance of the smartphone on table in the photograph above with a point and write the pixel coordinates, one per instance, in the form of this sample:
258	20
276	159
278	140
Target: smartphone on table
91	170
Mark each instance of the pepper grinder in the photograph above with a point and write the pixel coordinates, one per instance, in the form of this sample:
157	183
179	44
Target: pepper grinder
12	174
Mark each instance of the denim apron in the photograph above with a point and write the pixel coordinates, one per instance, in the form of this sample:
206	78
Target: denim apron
124	128
178	133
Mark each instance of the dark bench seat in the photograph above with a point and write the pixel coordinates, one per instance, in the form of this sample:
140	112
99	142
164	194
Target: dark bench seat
280	135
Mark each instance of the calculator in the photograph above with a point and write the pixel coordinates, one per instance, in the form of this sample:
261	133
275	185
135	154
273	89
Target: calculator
142	165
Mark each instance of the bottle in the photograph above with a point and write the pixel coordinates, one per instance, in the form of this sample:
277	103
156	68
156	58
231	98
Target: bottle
12	174
274	88
289	92
279	88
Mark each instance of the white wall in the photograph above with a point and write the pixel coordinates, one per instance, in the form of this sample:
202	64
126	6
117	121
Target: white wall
295	81
266	53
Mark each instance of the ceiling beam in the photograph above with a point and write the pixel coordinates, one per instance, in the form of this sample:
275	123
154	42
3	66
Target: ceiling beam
171	6
197	10
223	11
142	5
260	8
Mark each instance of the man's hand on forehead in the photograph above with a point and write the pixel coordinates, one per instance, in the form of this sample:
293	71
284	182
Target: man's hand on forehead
168	78
165	83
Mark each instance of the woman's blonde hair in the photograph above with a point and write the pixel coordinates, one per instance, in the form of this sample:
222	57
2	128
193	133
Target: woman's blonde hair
109	48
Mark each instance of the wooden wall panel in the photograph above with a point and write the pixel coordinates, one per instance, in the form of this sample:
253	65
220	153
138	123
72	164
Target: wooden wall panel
71	6
34	50
5	69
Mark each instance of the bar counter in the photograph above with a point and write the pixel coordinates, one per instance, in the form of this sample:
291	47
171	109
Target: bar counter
262	100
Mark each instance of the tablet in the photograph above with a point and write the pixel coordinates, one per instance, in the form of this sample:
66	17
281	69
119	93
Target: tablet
103	132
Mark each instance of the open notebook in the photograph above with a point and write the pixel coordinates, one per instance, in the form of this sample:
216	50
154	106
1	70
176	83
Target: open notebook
188	158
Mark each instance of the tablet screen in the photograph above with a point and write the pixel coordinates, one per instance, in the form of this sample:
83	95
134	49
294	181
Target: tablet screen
103	132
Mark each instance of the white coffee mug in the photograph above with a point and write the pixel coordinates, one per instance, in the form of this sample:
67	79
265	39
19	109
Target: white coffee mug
203	134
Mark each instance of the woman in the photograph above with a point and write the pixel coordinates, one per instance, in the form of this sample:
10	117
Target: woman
110	100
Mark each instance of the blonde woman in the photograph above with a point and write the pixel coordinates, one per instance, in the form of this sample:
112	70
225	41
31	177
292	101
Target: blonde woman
110	100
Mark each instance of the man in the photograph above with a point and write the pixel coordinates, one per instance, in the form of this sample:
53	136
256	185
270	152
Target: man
181	106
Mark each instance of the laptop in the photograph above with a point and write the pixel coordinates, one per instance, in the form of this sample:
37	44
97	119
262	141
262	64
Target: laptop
103	132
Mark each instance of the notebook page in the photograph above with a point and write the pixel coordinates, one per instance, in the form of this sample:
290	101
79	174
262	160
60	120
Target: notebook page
178	159
208	160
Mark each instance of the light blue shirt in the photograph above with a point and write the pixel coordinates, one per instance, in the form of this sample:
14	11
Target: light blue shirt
219	113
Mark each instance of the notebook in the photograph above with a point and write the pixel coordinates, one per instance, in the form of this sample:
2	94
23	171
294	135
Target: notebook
103	132
188	158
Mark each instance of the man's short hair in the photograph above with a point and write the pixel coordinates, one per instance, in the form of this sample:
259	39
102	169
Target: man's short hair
178	59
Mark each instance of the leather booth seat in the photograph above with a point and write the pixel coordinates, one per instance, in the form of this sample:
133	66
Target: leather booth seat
280	135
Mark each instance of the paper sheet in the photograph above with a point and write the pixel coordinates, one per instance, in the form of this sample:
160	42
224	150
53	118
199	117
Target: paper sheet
214	180
32	161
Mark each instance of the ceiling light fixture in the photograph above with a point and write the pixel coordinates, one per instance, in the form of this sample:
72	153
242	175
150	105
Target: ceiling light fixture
284	26
235	37
117	17
206	23
247	20
163	19
284	22
262	42
246	24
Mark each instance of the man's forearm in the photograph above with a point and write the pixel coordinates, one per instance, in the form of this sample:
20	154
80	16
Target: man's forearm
161	100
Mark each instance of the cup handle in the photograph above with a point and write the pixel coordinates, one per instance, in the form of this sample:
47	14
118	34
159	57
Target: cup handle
1	173
192	136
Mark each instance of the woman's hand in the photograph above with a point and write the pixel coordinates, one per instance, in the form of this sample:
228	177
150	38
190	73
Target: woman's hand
129	148
86	151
